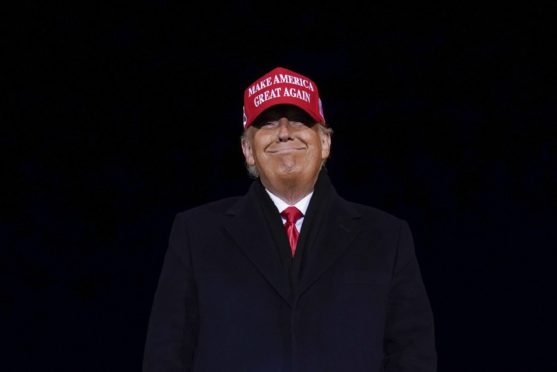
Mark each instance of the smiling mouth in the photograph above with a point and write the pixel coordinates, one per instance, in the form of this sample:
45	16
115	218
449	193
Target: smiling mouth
285	150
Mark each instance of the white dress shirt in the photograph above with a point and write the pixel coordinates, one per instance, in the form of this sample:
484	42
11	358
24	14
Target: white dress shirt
302	205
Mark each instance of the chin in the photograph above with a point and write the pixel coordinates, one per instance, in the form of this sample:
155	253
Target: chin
289	171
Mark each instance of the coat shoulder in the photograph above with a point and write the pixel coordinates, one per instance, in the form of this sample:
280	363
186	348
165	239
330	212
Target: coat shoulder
375	215
210	209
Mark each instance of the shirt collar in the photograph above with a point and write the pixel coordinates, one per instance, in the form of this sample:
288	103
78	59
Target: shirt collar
302	205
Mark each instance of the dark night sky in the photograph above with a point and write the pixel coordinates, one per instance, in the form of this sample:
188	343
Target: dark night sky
117	117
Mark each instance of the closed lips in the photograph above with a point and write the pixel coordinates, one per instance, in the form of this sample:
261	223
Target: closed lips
285	149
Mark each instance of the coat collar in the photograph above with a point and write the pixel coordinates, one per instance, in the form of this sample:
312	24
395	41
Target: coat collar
249	228
337	230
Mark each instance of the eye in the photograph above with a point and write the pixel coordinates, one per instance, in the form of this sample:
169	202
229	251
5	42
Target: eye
269	124
297	124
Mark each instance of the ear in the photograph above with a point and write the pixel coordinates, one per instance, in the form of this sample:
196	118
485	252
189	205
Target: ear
325	144
247	150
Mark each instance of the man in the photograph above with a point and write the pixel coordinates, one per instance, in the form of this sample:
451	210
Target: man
244	287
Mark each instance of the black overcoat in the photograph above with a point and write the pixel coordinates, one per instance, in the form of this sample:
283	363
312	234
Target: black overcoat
224	301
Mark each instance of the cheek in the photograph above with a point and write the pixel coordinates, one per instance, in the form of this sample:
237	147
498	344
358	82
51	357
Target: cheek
248	151
258	146
257	154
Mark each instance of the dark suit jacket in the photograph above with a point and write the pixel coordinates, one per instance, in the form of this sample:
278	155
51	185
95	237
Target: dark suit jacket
225	302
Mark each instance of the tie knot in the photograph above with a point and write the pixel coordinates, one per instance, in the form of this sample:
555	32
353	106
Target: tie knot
292	214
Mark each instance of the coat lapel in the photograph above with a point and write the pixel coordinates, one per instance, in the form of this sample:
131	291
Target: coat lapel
340	228
248	227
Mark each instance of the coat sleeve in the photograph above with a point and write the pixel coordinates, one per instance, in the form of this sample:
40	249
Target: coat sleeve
409	333
172	330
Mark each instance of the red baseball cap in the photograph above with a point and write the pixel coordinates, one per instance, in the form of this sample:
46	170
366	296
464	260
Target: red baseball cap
282	86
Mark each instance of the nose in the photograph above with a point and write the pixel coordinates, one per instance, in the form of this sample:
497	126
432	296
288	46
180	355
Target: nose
284	129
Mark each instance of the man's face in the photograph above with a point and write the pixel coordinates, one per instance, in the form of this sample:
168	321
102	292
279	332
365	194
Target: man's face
286	147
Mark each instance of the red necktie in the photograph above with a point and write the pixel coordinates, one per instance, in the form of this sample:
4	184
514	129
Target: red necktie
292	214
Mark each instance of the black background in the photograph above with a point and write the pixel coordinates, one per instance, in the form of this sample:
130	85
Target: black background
119	116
